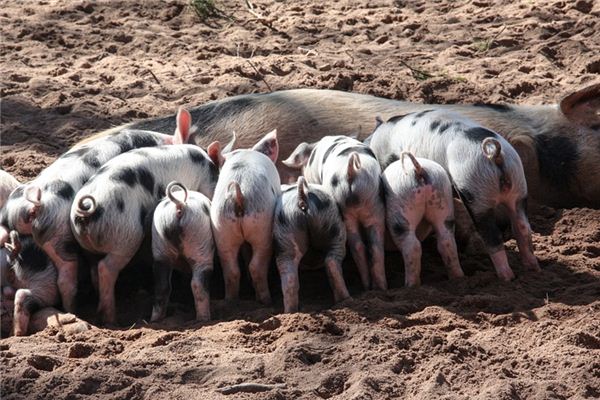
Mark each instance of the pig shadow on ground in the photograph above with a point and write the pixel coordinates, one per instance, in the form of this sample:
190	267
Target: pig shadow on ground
25	125
480	291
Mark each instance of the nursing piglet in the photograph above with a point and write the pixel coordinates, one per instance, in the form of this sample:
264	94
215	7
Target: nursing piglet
182	238
242	211
416	191
109	212
307	217
484	169
349	171
30	281
41	207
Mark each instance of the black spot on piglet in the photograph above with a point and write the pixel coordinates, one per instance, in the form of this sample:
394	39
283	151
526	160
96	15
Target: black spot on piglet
146	179
61	189
478	134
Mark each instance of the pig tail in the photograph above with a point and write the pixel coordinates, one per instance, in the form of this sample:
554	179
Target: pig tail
13	246
353	166
30	192
86	205
170	191
302	195
492	150
419	172
238	200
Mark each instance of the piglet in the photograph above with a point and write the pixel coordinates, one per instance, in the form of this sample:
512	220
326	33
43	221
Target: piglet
484	168
242	211
182	238
109	212
7	184
415	192
32	275
307	217
41	207
349	171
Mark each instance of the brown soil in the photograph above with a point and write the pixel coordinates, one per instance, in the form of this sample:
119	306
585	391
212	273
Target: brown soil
70	69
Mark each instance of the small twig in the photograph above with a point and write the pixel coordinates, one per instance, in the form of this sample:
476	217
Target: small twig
309	52
349	54
252	11
262	78
417	71
495	37
259	17
154	76
250	388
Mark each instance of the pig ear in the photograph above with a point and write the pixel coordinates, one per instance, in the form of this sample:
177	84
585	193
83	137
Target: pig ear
583	106
300	155
13	245
268	145
229	146
184	126
214	153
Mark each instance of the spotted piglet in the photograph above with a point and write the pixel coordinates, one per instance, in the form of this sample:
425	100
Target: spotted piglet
306	217
242	211
31	273
349	171
182	238
109	212
485	170
419	191
41	207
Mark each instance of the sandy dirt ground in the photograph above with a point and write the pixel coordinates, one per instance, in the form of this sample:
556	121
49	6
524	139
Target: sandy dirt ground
71	68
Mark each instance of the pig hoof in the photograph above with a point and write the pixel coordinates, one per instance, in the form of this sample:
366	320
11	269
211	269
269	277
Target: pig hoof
506	276
456	275
533	266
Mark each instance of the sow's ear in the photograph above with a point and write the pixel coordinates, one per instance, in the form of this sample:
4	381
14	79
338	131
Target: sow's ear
268	145
583	106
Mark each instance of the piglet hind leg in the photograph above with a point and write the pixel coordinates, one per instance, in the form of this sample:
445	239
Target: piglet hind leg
376	235
492	237
290	284
405	238
25	305
522	232
358	250
228	258
259	269
446	245
336	278
66	267
201	273
162	289
108	272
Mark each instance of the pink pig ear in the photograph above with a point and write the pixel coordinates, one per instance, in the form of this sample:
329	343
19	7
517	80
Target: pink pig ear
214	153
184	125
268	145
